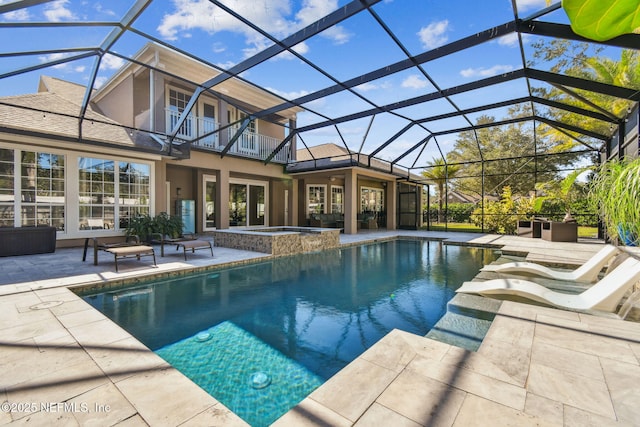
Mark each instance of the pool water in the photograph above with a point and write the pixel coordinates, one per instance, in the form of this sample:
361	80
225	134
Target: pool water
261	337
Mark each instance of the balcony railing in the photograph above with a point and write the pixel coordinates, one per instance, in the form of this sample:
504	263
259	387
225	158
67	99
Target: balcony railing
249	144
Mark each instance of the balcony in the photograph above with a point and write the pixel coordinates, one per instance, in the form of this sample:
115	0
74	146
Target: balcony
249	144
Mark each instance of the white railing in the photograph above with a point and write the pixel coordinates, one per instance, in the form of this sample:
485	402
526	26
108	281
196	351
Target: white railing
257	146
249	144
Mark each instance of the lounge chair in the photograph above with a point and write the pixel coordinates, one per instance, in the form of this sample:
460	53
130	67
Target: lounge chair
136	251
587	272
604	295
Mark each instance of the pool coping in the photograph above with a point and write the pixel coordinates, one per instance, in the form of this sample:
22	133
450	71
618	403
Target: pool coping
72	325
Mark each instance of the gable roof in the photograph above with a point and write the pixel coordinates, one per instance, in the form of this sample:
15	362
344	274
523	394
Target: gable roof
70	91
52	113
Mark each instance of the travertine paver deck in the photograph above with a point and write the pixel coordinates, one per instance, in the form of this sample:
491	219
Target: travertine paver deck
63	363
537	366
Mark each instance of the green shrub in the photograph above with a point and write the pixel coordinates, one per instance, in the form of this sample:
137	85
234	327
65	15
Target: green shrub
502	216
144	226
456	212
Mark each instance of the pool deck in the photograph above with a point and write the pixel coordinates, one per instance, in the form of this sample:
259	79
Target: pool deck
64	363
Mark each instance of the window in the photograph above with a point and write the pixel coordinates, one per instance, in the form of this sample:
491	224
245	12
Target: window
7	191
371	200
337	199
134	191
176	104
39	179
42	189
99	195
315	199
210	203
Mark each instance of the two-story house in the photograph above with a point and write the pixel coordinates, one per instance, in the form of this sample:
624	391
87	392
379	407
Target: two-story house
125	157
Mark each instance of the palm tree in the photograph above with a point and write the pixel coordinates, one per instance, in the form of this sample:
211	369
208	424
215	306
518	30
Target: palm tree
439	172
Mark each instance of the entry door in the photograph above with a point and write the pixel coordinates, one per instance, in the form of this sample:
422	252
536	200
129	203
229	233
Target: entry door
408	211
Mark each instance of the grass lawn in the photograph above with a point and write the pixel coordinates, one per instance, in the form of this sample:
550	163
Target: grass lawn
583	231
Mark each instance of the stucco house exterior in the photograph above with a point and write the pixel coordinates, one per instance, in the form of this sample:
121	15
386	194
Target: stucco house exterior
132	152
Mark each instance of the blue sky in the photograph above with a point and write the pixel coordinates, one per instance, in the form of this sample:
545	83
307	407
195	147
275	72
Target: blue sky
356	46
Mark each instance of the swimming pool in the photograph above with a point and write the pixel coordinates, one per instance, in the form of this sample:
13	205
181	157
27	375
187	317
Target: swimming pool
261	337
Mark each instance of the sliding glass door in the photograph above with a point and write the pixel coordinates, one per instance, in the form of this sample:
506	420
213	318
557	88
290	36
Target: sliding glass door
247	204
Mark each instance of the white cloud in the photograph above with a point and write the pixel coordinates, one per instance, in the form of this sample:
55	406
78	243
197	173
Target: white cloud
98	7
530	4
111	62
434	34
511	40
57	11
312	10
288	95
366	87
485	72
272	16
17	15
218	47
99	82
55	57
508	40
414	81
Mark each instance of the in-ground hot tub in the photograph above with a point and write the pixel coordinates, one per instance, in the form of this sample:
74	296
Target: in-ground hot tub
279	240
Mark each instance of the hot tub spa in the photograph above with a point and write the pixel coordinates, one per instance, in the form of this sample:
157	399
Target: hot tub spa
279	240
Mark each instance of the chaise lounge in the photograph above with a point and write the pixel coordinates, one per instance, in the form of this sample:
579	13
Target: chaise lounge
604	295
587	272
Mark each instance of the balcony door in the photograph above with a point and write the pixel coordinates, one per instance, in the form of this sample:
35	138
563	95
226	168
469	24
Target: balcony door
207	125
176	103
247	143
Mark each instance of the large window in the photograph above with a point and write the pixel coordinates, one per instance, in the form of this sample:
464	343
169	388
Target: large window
337	199
98	192
316	196
371	199
134	191
39	180
7	190
42	189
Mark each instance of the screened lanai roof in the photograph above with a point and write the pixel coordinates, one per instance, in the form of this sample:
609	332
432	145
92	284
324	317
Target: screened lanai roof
394	81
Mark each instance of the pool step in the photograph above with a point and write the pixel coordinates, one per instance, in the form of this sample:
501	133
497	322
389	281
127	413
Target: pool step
466	321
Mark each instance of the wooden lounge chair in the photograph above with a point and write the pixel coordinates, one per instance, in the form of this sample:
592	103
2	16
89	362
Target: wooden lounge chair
604	295
587	272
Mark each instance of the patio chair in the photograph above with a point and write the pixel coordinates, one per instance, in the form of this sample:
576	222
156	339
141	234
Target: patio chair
586	273
163	239
136	251
604	295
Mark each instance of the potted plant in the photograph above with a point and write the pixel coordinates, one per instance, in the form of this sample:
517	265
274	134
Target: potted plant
615	190
141	226
167	225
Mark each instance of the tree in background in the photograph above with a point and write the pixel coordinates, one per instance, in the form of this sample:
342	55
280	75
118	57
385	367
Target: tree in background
509	153
439	172
586	61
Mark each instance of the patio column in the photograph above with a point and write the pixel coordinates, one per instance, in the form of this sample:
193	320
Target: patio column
222	199
351	202
391	197
293	203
